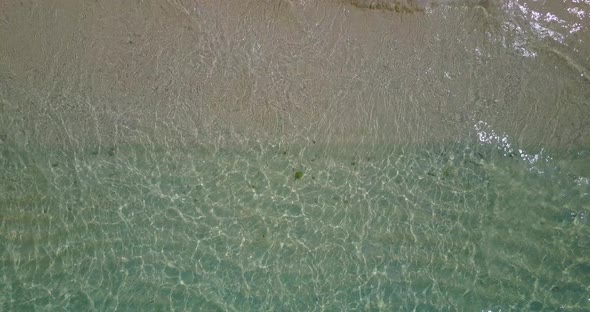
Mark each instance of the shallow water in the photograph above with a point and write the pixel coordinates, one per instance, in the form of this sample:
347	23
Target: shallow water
438	228
294	156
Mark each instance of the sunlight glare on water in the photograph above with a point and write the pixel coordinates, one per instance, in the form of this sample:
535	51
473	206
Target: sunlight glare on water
294	155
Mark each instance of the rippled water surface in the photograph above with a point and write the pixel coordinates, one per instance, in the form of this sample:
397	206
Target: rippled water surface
294	156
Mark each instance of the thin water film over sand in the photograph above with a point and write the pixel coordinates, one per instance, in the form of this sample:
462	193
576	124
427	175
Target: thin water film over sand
294	155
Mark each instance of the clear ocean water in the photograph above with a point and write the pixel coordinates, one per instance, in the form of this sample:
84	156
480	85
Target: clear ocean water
294	155
278	227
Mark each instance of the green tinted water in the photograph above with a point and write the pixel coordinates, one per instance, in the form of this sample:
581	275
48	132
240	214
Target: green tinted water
261	227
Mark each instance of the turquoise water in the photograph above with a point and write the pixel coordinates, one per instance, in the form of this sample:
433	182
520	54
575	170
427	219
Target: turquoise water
261	227
290	155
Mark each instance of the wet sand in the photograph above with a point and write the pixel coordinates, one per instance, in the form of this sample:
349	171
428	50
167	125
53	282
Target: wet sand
179	72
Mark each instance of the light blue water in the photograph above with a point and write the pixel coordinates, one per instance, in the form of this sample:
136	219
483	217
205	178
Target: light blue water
426	228
117	195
